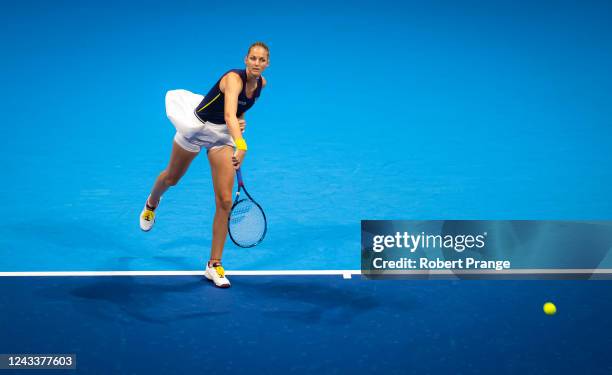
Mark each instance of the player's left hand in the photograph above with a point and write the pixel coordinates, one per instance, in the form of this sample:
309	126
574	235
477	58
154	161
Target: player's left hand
242	123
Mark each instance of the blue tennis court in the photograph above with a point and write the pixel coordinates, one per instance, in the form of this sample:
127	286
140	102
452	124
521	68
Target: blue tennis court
300	324
373	110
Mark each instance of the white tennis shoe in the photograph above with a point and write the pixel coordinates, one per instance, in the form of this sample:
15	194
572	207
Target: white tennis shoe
147	217
216	274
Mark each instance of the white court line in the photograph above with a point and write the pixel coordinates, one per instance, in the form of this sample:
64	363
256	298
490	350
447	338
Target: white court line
538	271
345	273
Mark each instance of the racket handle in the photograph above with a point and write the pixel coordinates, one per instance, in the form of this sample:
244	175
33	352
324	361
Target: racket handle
239	175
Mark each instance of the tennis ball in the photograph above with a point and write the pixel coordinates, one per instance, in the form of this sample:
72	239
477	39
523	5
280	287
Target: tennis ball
550	308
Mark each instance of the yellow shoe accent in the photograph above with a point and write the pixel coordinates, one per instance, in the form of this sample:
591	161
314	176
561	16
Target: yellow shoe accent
148	215
220	271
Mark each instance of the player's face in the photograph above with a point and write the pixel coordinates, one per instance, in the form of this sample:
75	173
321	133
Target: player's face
256	61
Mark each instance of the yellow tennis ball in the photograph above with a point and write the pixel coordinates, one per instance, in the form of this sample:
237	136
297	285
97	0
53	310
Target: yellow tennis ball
550	308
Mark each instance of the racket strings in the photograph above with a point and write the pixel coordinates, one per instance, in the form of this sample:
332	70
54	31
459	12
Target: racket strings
247	223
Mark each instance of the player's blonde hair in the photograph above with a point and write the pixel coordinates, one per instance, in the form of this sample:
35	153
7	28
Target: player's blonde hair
259	44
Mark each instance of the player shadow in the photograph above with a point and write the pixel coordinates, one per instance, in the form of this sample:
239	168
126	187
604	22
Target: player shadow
112	298
316	302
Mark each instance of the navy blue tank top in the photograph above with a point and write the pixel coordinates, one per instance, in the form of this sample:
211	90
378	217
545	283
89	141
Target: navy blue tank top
212	107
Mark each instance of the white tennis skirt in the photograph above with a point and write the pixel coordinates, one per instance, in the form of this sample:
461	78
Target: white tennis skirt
192	133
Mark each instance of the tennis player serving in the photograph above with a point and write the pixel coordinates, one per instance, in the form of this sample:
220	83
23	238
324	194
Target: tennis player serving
215	122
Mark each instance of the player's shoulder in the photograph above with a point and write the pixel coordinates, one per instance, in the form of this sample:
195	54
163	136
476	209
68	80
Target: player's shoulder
231	79
233	75
263	82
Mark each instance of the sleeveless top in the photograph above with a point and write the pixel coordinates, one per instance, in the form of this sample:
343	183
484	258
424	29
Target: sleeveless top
212	107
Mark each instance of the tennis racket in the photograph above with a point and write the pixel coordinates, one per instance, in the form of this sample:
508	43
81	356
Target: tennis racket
246	223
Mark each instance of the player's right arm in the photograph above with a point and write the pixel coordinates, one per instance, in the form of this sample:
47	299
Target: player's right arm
231	85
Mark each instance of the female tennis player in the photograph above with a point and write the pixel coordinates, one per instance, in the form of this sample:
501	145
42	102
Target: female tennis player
215	122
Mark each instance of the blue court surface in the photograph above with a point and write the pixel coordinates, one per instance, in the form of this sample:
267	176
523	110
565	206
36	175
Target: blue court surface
298	324
373	110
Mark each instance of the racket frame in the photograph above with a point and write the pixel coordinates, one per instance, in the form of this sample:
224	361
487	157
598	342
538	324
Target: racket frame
237	200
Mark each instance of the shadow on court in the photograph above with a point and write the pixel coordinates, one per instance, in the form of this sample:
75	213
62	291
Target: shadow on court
298	324
312	302
146	300
126	298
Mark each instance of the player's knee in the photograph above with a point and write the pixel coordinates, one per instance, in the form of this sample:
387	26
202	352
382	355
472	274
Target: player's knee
224	202
171	180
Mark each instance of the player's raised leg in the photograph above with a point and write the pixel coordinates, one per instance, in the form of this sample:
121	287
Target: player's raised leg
180	159
220	159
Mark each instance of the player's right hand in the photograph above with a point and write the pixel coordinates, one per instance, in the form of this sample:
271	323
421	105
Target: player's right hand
237	158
